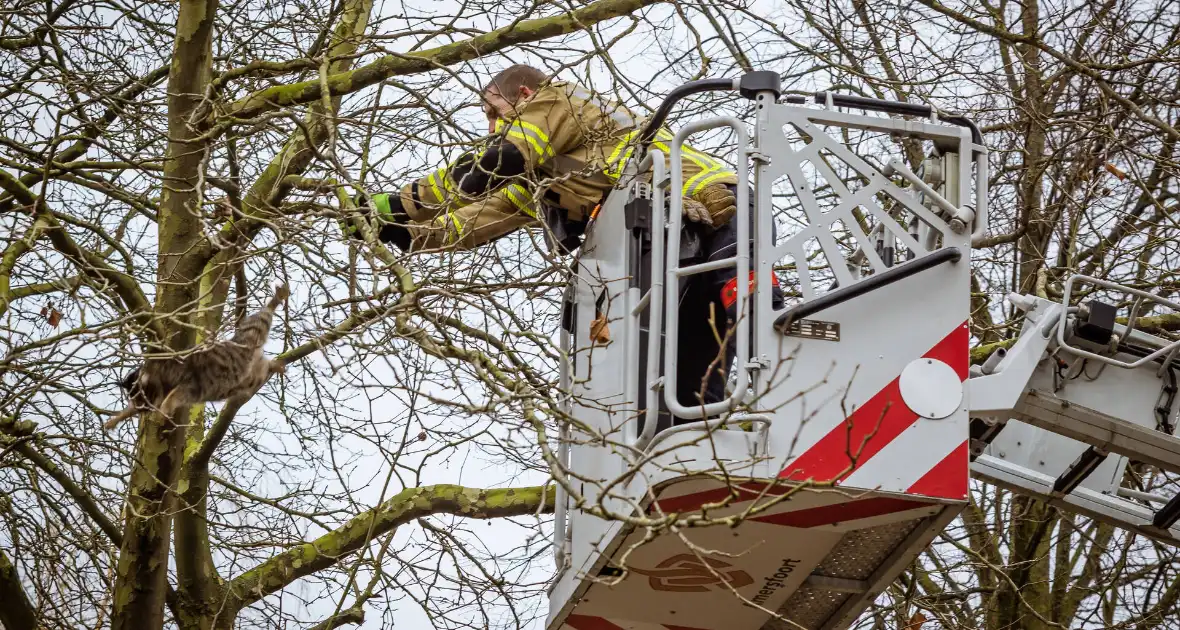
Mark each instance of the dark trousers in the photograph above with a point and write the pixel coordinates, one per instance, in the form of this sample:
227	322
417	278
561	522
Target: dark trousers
708	312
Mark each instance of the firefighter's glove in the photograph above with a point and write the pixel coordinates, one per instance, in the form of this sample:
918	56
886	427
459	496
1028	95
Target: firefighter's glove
391	218
696	212
719	201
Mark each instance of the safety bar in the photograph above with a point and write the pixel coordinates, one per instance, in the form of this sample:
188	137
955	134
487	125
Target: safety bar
1146	497
763	421
963	216
876	281
890	107
981	209
674	272
655	297
692	87
1114	286
561	507
749	84
561	499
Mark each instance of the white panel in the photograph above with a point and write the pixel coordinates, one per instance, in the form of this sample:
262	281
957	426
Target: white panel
814	385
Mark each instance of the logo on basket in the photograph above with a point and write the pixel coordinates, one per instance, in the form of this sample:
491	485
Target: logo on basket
686	573
773	583
729	291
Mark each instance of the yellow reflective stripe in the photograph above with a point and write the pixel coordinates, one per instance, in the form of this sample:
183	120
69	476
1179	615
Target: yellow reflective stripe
689	185
535	129
618	172
703	156
620	146
616	160
696	157
441	221
531	134
532	141
711	179
703	161
685	148
516	194
434	187
664	134
705	170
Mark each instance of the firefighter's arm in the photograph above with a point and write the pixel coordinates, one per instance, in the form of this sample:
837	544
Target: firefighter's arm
544	126
510	208
471	177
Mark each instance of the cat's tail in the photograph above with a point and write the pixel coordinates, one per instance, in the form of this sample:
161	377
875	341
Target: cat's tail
282	292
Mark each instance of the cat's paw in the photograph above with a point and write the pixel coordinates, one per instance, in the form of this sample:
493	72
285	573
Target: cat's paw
282	292
116	420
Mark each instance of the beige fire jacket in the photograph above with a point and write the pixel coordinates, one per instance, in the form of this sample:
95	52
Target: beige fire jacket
574	146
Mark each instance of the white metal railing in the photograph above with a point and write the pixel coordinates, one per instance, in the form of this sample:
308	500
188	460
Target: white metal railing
1062	323
675	272
653	301
561	525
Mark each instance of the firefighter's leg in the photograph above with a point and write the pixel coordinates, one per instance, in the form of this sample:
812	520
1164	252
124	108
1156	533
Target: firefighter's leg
701	363
686	343
722	285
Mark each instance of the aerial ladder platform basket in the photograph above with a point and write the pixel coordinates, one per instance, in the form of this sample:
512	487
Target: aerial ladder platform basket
853	420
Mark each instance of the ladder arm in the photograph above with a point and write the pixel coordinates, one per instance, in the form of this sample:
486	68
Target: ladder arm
1090	397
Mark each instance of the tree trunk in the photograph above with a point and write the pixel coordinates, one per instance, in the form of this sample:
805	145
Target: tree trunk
141	582
16	611
1032	244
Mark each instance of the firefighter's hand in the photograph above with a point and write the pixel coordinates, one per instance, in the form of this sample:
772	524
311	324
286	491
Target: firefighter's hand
390	224
696	212
348	224
719	201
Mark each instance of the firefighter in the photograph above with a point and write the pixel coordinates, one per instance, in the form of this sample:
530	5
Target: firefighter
553	153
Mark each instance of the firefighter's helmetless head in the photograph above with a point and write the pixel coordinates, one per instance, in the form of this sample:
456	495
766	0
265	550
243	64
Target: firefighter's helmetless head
507	89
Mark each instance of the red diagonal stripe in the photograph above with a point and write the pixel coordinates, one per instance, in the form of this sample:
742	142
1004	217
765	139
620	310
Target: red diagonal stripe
840	512
866	431
745	492
954	350
948	478
872	426
586	622
690	502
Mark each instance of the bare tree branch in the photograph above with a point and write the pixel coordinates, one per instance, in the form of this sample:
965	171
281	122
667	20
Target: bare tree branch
521	32
405	507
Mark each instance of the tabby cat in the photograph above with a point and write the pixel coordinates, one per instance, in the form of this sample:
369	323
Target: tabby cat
220	371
